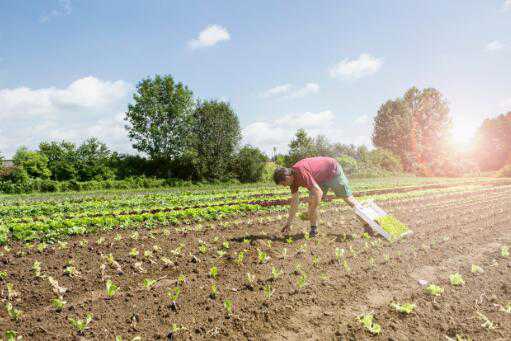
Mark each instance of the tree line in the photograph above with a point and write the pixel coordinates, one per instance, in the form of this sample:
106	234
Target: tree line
181	137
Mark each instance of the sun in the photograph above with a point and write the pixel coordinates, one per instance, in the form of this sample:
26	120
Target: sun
463	135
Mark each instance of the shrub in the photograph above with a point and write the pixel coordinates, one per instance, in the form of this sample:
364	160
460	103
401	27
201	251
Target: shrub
349	165
505	172
249	164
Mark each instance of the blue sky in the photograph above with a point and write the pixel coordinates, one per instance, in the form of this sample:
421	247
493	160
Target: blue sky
68	68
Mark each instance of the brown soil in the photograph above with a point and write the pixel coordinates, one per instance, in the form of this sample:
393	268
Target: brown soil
452	232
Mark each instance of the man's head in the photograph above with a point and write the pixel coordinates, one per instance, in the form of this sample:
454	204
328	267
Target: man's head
283	176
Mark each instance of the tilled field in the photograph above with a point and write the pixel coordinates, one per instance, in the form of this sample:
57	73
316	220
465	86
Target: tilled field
282	287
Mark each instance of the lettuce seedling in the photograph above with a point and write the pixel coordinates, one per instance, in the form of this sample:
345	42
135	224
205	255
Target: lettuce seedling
203	248
456	279
134	252
3	275
487	323
14	314
346	266
117	237
111	289
268	291
181	279
262	256
11	293
11	335
228	307
239	258
173	294
275	273
339	253
213	272
289	240
434	290
214	291
405	308
225	245
58	303
302	281
367	321
36	267
504	251
81	325
506	309
149	283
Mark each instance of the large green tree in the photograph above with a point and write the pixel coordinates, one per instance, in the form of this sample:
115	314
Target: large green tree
30	164
493	142
250	163
160	119
302	146
216	133
415	127
93	161
62	159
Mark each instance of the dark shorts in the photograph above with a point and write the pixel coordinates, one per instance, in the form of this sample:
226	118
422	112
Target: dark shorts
339	184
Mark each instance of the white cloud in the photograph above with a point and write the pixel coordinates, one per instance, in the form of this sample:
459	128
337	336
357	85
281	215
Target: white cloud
85	93
365	65
87	107
507	5
63	9
494	46
309	88
210	36
287	89
362	119
279	132
277	90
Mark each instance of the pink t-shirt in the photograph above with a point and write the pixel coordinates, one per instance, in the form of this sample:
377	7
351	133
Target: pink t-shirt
313	171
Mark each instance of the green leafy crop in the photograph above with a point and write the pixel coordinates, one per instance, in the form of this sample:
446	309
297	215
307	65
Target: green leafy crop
392	226
367	321
456	279
434	290
405	308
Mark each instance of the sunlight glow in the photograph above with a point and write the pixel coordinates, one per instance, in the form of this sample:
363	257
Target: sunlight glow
463	135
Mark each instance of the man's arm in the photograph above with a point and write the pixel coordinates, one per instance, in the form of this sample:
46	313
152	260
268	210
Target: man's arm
351	201
315	196
293	207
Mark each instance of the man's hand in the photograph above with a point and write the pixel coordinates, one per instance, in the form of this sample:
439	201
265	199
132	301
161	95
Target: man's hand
351	201
286	228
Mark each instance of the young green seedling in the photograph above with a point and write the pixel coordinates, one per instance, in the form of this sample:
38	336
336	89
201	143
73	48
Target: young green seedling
339	253
14	314
81	325
368	323
456	279
434	290
214	291
134	252
173	294
36	267
487	323
111	289
346	266
504	251
149	283
213	272
262	256
3	275
228	307
11	335
302	281
275	273
239	258
289	240
268	291
58	303
405	308
181	279
203	248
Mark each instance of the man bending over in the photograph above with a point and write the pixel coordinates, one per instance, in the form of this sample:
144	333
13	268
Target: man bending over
318	175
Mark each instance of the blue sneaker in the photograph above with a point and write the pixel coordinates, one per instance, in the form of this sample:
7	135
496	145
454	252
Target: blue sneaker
313	232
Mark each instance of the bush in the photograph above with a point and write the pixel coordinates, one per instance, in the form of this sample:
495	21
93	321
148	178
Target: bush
385	160
249	164
349	165
505	172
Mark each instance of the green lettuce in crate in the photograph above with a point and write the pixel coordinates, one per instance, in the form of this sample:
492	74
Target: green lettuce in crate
392	226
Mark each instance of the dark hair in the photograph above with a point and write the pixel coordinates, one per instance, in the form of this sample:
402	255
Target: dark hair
281	173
